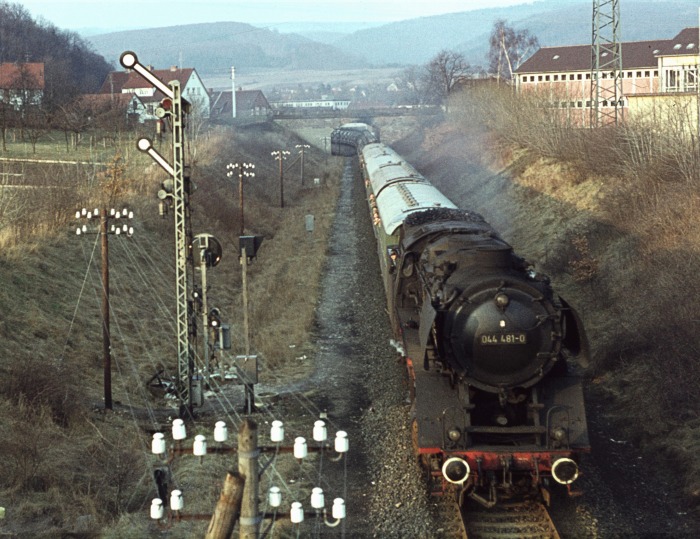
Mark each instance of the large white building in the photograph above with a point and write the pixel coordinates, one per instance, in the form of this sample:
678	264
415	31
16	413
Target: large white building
561	76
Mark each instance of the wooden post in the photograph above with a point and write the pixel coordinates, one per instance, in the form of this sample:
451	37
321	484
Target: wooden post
228	509
281	180
248	453
106	344
240	196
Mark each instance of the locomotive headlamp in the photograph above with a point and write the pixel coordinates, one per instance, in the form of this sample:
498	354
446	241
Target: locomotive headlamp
559	434
456	470
454	434
565	471
502	301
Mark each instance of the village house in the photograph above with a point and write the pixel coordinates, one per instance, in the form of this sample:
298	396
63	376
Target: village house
22	84
145	97
251	106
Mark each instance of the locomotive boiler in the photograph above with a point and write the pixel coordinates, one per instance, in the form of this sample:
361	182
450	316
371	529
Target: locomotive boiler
489	346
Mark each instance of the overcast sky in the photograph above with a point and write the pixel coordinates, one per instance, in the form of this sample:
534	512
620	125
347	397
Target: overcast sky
115	15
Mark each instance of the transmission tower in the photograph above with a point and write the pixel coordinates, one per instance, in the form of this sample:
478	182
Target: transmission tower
606	64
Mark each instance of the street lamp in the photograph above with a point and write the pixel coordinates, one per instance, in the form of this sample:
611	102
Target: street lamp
244	169
302	148
281	155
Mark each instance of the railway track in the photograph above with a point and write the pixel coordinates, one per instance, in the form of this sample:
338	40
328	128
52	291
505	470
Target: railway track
525	520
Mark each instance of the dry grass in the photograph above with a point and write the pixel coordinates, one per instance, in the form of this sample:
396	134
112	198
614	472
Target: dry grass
68	466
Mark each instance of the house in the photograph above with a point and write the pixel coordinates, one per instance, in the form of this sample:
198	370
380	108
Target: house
250	105
22	84
651	70
145	97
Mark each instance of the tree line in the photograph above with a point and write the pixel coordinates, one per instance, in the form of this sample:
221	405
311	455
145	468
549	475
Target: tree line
434	82
71	68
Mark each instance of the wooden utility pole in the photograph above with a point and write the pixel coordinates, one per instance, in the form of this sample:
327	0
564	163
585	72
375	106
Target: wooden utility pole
228	509
301	148
248	453
104	231
106	343
281	155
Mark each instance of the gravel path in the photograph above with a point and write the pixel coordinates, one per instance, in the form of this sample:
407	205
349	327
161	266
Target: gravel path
360	383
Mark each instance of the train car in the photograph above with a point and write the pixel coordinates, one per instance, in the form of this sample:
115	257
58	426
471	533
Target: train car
488	345
345	140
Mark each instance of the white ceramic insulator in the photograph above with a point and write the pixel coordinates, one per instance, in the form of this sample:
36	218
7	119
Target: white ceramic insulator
297	513
320	431
274	497
176	501
158	444
157	509
220	432
339	508
300	448
317	498
277	432
342	445
199	448
179	430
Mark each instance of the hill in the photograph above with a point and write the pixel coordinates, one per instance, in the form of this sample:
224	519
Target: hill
213	48
553	22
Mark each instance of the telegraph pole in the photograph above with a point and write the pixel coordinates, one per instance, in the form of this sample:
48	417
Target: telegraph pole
244	169
281	155
174	107
106	343
104	232
301	148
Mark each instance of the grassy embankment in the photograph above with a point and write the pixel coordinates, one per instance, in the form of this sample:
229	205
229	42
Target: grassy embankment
66	464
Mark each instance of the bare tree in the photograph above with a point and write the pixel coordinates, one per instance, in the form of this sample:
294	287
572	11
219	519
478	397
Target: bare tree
443	73
411	77
35	125
73	119
508	49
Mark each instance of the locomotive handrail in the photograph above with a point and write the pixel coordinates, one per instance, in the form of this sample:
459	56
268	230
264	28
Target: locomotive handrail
507	430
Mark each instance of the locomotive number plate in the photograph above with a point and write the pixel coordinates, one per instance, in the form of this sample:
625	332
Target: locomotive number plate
503	338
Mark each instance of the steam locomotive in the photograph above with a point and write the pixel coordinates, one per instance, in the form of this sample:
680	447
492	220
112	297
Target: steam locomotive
488	345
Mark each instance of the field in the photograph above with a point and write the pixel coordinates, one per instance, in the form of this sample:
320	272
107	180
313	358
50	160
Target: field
267	79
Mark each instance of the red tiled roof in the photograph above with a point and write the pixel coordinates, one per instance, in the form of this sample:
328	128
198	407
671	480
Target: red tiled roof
114	82
166	75
11	75
131	80
246	100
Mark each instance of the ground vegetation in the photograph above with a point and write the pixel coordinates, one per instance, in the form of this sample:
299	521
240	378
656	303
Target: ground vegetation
69	466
